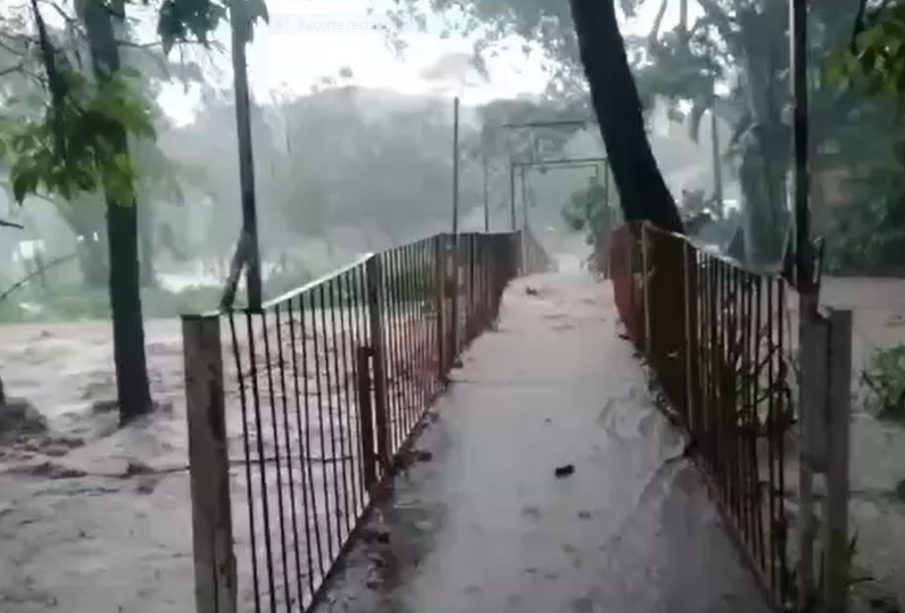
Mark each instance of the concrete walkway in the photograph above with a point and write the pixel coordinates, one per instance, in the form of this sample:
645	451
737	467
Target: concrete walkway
485	525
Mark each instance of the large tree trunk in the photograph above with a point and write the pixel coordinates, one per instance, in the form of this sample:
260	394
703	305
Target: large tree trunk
643	193
132	385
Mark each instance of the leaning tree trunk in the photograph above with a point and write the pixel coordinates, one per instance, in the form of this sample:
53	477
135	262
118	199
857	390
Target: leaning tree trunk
642	190
132	385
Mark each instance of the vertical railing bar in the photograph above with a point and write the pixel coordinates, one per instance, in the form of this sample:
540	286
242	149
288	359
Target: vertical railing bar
718	379
354	345
401	392
738	399
712	357
705	350
334	458
744	320
376	314
390	365
427	323
758	322
471	276
414	327
361	332
769	432
418	326
303	449
392	353
695	397
318	293
338	346
725	390
350	370
685	347
406	338
293	517
732	399
261	461
439	282
307	391
243	403
274	423
717	350
411	275
406	365
780	432
751	331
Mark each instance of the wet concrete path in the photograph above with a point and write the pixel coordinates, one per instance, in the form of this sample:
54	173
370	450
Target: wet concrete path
486	525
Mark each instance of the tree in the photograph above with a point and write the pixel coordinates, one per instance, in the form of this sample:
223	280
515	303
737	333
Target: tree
643	193
80	145
588	211
868	235
591	29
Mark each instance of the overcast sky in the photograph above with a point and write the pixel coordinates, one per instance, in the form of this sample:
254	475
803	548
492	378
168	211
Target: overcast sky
307	40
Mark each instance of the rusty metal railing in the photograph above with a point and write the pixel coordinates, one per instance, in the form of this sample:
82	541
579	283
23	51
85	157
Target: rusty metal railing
319	394
717	338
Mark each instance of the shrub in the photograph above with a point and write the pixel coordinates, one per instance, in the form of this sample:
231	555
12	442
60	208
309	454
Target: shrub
885	377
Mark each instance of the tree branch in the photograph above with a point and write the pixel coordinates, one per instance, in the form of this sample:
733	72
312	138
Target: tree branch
69	19
17	68
10	224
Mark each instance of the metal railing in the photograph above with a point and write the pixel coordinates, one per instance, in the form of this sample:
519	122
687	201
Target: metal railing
316	402
717	337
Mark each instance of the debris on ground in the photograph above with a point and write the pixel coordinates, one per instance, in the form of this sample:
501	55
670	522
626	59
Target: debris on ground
136	467
457	364
18	417
422	455
375	535
561	327
566	470
100	407
147	484
584	515
51	470
531	291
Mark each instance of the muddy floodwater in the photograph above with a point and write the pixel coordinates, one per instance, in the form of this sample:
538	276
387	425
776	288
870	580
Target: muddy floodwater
95	518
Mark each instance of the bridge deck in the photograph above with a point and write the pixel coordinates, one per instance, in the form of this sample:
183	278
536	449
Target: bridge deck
486	526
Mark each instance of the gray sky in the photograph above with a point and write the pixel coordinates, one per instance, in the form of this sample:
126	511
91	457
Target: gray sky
307	40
